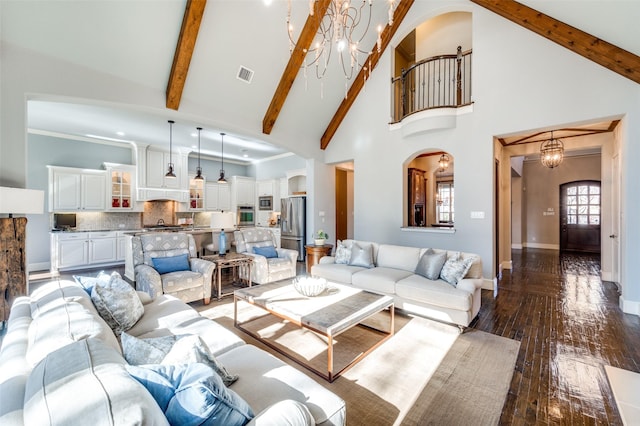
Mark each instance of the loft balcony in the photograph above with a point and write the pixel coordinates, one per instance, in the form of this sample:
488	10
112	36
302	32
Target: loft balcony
440	85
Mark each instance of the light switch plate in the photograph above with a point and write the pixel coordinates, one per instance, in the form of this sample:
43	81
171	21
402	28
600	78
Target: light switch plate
477	215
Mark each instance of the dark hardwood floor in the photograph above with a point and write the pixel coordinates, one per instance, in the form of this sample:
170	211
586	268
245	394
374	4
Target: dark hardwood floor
570	326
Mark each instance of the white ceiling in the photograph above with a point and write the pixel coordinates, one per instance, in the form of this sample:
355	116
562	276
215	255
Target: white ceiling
134	41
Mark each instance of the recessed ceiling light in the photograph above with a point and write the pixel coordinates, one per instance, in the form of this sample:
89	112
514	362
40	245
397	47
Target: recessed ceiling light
194	135
244	153
120	133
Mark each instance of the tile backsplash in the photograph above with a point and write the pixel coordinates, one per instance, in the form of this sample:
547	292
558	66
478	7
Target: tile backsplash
155	211
88	221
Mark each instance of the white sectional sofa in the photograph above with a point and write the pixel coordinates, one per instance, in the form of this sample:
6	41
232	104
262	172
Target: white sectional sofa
61	364
392	271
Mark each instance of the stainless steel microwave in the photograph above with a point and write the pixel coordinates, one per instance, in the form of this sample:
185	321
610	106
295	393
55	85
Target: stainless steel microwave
265	202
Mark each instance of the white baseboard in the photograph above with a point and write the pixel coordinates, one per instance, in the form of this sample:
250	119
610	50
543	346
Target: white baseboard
516	246
542	246
630	306
487	284
42	266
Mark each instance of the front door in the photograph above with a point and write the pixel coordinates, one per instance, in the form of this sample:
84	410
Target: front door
580	216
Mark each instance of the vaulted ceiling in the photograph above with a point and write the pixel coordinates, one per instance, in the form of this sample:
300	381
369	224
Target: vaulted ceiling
191	52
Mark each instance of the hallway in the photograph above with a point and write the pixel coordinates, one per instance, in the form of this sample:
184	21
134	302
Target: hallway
570	326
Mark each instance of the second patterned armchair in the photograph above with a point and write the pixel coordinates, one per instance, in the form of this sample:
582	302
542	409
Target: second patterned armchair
269	263
166	262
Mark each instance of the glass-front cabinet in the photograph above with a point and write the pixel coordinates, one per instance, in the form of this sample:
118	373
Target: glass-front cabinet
196	194
122	187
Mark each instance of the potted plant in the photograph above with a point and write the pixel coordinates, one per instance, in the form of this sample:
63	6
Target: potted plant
320	237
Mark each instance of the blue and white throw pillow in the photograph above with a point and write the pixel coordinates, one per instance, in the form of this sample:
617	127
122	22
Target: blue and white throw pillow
192	394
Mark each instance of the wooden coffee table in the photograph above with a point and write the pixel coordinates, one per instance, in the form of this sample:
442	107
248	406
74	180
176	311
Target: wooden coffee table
330	314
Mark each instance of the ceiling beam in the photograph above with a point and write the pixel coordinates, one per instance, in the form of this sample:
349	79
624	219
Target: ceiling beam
293	66
184	51
599	51
357	85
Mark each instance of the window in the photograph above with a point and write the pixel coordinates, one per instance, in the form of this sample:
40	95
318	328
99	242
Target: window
444	202
583	205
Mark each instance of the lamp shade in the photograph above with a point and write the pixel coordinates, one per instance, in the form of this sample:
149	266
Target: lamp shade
223	220
21	201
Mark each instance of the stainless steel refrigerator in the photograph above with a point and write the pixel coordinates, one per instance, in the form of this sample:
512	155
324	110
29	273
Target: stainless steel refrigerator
293	224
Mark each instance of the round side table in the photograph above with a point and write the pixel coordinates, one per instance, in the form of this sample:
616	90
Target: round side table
314	253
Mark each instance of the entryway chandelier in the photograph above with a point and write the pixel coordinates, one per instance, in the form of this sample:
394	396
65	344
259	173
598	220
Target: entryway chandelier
552	152
342	28
443	163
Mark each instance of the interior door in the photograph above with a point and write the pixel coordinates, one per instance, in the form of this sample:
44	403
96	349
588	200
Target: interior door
580	216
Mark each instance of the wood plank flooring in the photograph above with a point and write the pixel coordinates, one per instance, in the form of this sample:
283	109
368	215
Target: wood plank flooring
570	326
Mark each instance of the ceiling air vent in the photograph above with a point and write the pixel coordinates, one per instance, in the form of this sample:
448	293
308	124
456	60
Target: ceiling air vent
245	74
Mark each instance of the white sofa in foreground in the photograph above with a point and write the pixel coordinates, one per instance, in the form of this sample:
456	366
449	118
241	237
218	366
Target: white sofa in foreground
391	270
61	364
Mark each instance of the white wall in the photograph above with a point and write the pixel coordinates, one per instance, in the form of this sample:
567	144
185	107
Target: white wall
521	81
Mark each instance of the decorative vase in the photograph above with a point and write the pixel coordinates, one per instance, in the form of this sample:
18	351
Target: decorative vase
319	241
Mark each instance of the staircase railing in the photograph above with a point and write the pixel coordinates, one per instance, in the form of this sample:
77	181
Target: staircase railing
438	82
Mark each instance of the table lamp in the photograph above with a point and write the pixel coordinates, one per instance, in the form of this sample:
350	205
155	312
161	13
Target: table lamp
222	221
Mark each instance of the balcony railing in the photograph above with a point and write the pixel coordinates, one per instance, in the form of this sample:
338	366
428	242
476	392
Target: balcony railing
438	82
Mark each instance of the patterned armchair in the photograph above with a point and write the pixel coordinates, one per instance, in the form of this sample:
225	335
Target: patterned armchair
186	285
265	270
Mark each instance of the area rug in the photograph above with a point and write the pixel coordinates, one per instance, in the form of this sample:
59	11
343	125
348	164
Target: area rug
427	373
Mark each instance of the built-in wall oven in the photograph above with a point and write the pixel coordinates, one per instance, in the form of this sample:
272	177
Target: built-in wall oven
246	216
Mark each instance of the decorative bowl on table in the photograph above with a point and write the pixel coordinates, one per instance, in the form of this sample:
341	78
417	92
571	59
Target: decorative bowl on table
310	286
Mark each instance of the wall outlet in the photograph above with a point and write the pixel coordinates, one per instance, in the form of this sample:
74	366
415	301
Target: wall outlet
477	215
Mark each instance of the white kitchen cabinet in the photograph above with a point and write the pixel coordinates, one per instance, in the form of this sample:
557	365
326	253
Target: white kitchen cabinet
121	248
284	189
73	189
157	167
77	250
243	191
265	187
71	251
102	247
217	196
